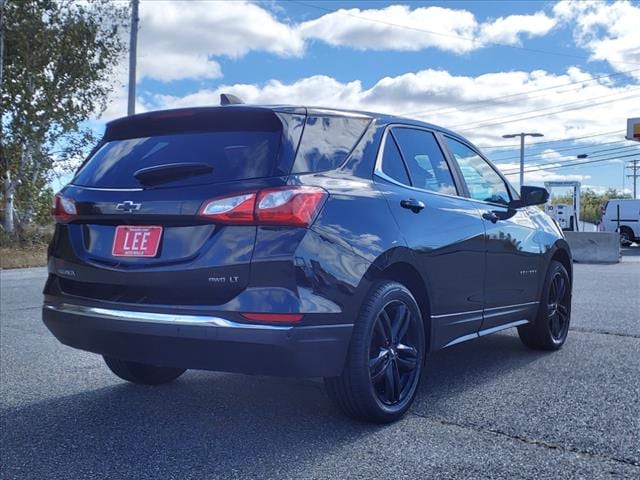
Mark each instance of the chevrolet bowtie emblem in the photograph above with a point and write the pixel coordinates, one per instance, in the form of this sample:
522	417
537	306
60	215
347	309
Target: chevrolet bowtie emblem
128	206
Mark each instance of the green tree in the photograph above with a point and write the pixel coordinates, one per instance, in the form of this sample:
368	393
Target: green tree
591	203
57	59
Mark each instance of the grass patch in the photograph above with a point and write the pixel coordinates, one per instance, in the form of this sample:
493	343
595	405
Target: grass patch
28	249
21	257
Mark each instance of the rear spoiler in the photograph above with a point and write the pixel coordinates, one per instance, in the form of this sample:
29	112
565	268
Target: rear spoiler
193	120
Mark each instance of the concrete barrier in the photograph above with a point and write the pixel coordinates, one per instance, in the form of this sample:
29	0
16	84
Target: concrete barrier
594	247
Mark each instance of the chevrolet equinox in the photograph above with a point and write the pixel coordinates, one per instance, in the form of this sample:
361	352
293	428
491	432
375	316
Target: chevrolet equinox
298	241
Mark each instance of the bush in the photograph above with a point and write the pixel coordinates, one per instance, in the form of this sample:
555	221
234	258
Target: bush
32	235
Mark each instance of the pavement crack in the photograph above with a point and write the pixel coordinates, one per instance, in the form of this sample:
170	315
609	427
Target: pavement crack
529	441
603	332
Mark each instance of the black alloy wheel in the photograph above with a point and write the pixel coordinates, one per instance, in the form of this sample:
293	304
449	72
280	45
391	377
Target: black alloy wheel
549	330
393	353
557	307
385	359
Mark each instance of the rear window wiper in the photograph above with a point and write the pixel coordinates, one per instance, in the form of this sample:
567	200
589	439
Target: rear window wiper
169	172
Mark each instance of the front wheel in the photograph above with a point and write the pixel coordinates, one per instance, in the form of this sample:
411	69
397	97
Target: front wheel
550	328
142	373
626	237
386	357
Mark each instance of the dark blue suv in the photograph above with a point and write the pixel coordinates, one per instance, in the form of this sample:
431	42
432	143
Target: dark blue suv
298	241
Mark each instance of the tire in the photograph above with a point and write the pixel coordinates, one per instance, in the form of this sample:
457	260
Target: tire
551	326
141	373
380	387
626	236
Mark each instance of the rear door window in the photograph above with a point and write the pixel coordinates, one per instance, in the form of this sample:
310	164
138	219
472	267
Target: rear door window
426	163
327	141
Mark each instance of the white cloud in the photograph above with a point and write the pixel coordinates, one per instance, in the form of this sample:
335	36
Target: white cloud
178	41
550	154
610	31
463	103
316	90
396	27
508	29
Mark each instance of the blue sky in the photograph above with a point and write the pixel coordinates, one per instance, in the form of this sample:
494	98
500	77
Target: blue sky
476	67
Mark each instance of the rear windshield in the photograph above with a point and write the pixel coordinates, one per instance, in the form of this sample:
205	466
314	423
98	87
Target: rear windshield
209	157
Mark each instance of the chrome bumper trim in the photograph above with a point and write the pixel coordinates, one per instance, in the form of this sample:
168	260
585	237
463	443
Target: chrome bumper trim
162	318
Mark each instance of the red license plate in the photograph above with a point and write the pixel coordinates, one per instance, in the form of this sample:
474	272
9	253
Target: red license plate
134	241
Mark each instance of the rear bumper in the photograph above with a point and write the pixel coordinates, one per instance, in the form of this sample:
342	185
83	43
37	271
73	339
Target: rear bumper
201	341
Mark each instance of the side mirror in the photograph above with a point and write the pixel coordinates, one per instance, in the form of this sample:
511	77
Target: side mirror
532	196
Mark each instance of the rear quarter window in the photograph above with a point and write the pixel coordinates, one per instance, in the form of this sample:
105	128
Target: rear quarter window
327	141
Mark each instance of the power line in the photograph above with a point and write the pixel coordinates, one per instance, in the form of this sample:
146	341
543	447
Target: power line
483	125
634	168
576	147
577	102
581	147
502	97
554	167
579	107
545	142
609	154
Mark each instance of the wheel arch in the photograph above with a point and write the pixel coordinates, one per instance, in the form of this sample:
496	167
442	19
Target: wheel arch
630	229
406	274
562	254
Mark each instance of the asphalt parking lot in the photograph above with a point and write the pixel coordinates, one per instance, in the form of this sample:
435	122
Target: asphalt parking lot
489	408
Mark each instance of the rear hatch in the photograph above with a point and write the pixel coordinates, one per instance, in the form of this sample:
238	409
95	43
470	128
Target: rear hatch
136	235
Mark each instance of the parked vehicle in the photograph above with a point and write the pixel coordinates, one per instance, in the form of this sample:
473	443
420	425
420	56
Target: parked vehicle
298	241
622	215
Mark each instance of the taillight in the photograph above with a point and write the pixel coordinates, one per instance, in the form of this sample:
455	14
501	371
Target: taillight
292	206
295	206
63	209
236	209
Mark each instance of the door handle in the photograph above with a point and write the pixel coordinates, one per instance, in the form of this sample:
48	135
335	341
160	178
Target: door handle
491	216
412	204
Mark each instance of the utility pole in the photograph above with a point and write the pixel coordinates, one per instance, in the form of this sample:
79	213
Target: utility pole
2	16
634	167
522	135
133	47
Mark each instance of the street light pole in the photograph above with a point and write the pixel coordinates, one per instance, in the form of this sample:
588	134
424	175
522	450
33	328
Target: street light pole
133	44
522	135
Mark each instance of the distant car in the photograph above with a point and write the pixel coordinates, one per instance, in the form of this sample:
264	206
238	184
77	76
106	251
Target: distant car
298	241
629	219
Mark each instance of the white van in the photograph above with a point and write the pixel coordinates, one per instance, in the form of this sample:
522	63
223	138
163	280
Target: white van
629	219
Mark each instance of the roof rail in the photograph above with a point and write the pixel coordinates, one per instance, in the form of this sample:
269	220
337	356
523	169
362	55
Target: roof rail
228	99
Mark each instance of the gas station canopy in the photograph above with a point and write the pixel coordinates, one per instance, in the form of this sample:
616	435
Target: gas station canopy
633	129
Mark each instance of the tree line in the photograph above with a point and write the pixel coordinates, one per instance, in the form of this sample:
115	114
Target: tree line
59	59
591	202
